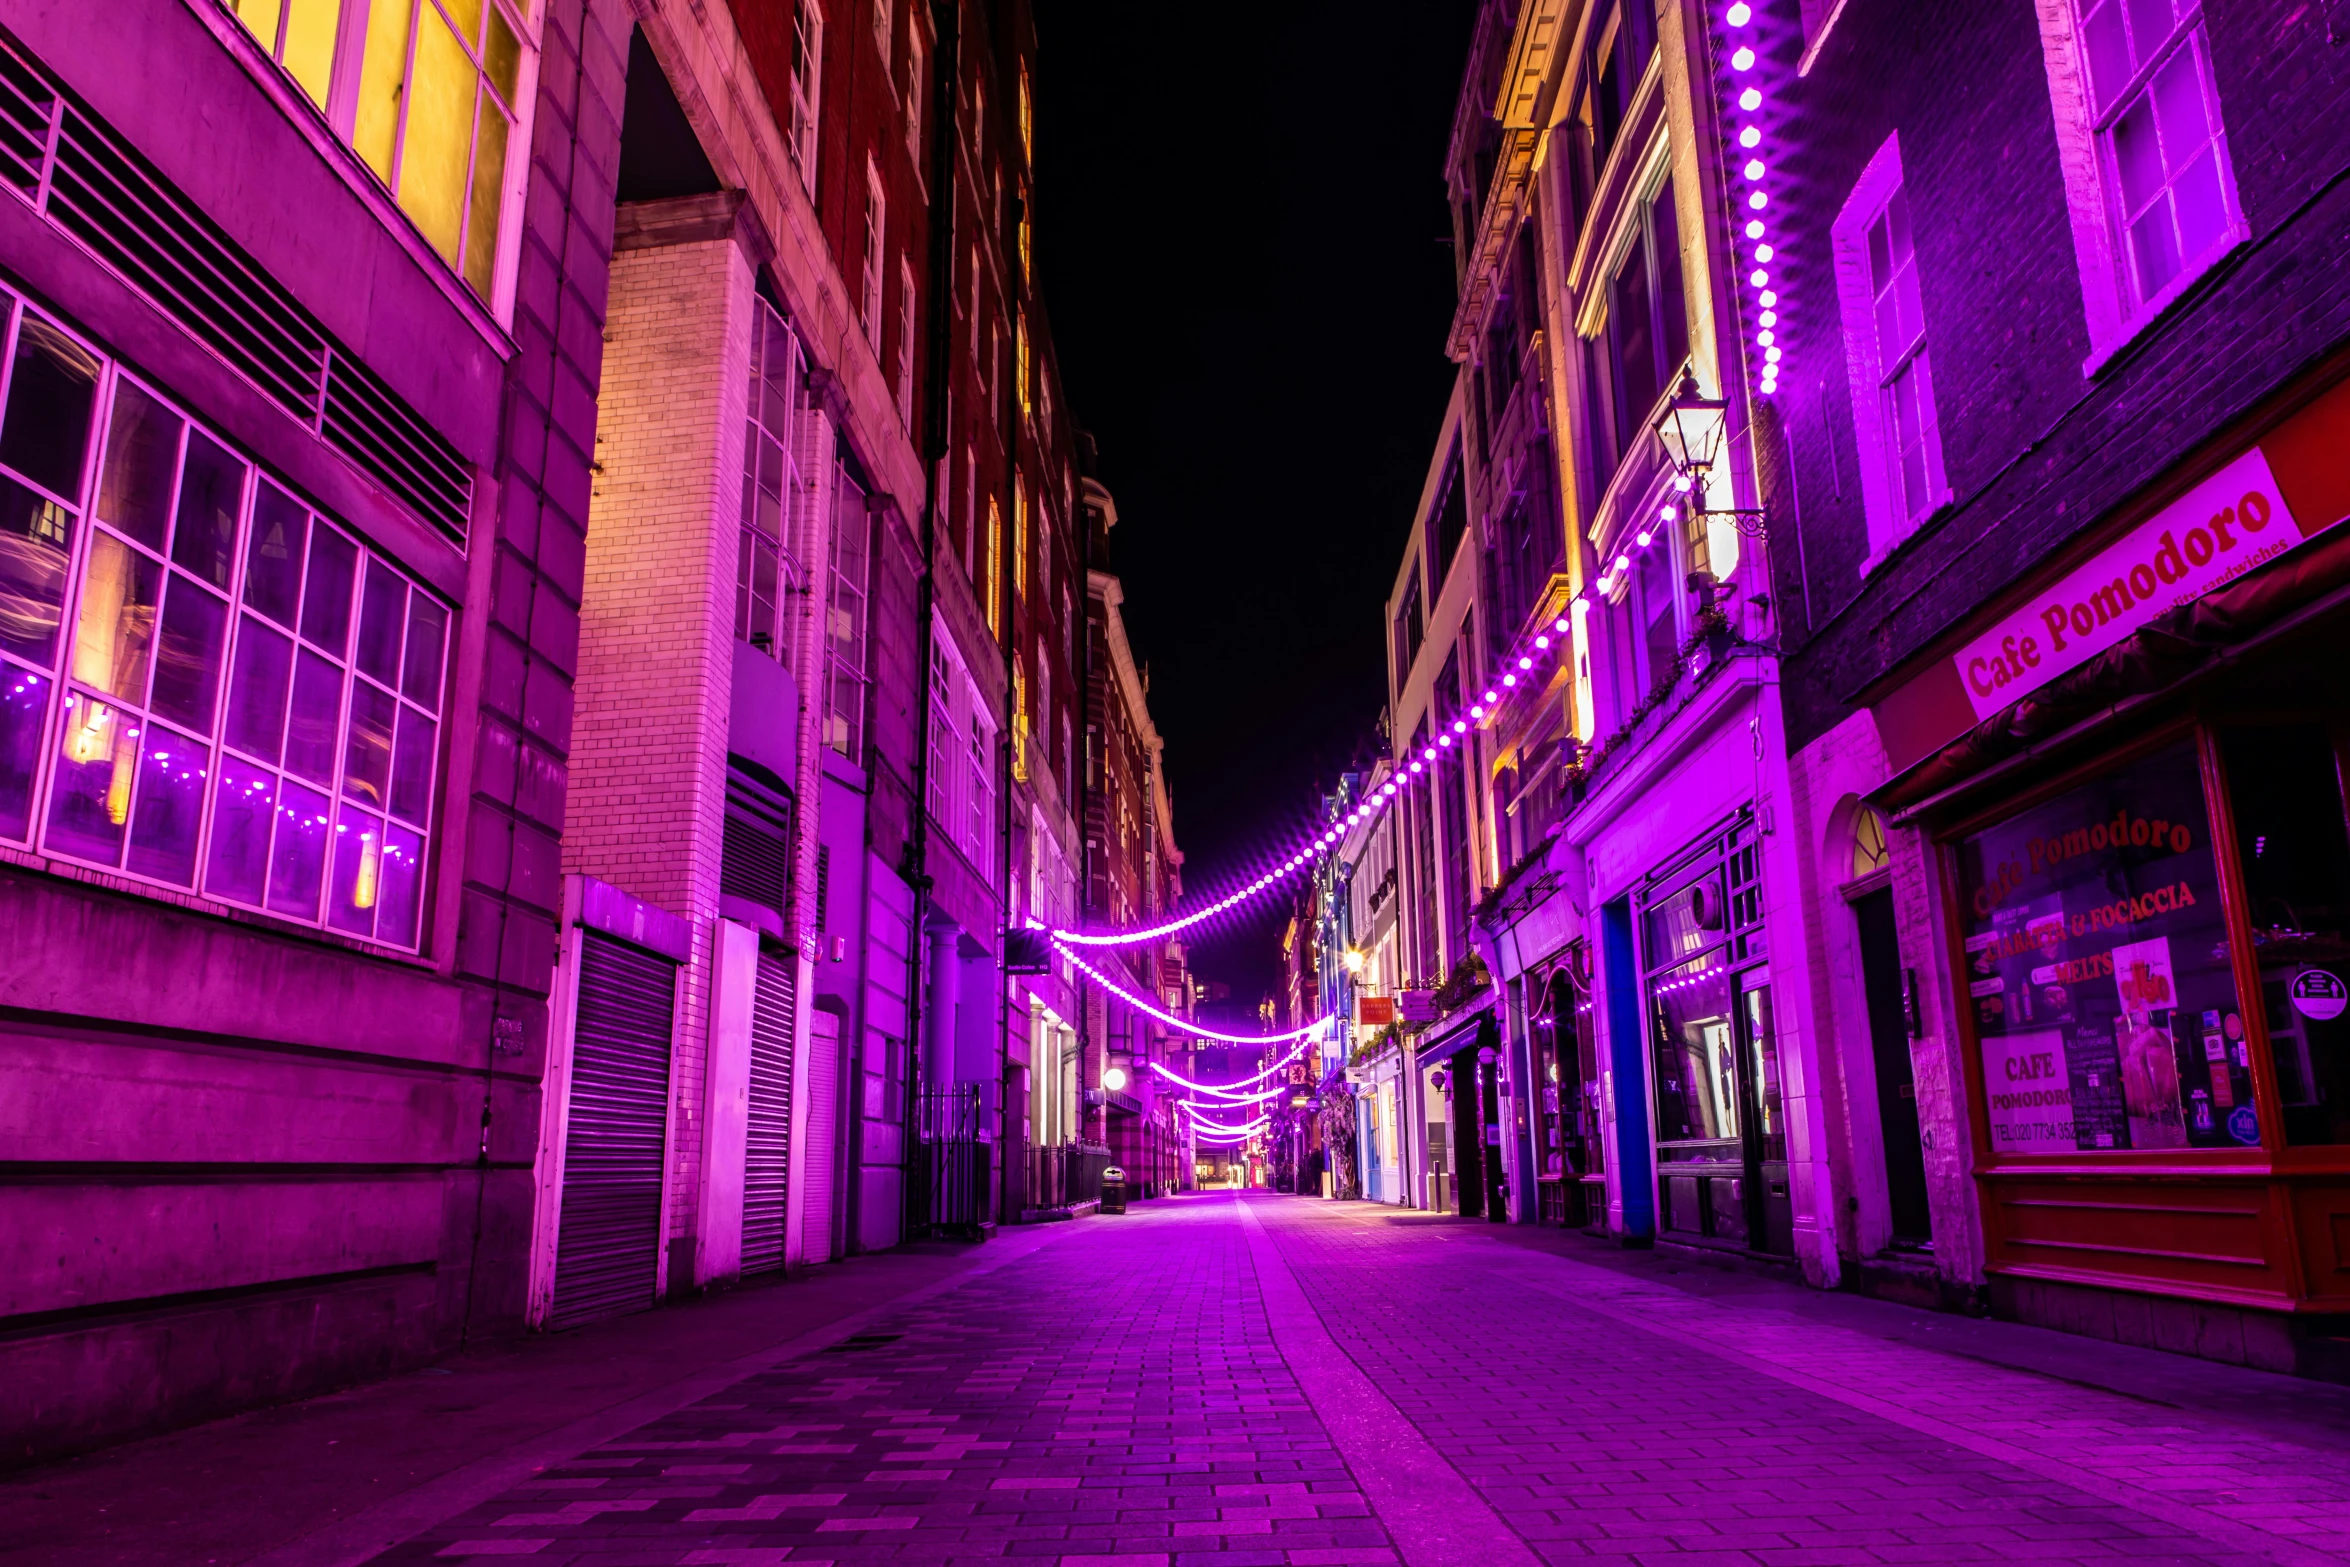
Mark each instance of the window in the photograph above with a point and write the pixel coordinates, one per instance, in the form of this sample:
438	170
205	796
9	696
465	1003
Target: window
1020	722
807	58
914	84
906	345
1023	379
2144	155
1896	428
764	566
1646	334
992	589
1044	703
428	94
1019	536
2158	123
1027	245
845	679
250	696
876	229
1027	118
962	753
883	23
1619	59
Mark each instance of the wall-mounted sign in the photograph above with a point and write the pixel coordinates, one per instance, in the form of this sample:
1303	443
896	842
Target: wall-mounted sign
1374	1011
2225	526
2319	993
1416	1006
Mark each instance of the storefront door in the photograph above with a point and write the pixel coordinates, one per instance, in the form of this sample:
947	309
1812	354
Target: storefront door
1897	1092
1720	1118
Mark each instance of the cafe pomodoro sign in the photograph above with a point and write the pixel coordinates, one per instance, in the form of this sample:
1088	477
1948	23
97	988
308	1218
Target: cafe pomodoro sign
2224	527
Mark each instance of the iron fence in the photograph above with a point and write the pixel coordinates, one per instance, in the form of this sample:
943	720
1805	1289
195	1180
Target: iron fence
957	1161
1063	1175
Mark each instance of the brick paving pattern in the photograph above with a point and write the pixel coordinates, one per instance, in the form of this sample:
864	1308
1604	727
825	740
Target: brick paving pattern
1119	1399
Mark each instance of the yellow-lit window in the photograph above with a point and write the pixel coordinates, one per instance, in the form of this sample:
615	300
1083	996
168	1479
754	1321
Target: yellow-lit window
1027	118
1019	537
427	92
993	587
1019	723
1020	366
1027	242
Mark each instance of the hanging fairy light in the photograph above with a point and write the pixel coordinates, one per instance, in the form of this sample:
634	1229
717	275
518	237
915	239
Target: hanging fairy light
1752	166
1152	1009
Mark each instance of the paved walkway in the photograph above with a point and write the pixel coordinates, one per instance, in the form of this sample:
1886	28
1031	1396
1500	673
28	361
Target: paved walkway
1280	1382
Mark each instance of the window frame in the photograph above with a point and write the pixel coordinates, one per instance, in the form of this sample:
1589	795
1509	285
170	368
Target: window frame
807	89
68	683
337	116
2115	316
873	294
1883	505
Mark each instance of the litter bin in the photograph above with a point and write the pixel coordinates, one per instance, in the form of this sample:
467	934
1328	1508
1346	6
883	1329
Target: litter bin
1113	1190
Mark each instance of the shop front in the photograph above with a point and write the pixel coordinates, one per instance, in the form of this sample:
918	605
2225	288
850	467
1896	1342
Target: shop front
1721	1133
1570	1153
2146	892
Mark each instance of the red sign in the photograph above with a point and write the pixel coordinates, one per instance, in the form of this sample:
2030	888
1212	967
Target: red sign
1374	1011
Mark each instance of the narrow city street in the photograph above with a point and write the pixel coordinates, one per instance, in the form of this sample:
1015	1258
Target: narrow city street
1260	1381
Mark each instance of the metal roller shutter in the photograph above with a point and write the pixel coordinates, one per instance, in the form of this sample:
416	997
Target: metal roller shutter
610	1230
767	1156
816	1183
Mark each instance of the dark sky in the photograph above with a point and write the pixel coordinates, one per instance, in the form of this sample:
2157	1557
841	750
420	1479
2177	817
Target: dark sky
1242	239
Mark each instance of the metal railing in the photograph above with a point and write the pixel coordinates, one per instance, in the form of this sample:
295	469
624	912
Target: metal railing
1065	1174
956	1161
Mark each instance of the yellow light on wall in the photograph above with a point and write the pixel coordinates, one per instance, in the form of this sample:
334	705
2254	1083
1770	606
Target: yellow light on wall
363	886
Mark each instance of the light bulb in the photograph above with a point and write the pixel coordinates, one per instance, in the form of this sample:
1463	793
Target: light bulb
1743	60
1444	739
1460	726
1683	482
1667	512
1542	641
1642	539
1750	100
1739	15
1492	697
1764	252
1764	337
1428	755
1750	137
1525	663
1758	277
1757	200
1754	169
1769	318
1476	711
1560	626
1754	228
1771	354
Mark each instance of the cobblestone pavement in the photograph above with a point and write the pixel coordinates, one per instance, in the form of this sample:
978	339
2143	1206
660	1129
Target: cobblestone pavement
1277	1382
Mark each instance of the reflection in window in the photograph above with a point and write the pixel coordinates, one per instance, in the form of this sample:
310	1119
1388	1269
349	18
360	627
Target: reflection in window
427	93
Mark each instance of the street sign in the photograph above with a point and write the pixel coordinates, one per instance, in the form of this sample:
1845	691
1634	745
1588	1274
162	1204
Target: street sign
1417	1006
1374	1011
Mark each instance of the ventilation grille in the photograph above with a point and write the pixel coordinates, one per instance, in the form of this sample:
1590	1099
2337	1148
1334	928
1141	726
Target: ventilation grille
89	182
754	858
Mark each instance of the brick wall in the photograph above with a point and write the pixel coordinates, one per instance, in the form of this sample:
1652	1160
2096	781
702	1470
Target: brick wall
656	657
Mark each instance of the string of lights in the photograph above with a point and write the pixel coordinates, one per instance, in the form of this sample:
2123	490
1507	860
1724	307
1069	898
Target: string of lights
1220	1129
1234	1087
1743	60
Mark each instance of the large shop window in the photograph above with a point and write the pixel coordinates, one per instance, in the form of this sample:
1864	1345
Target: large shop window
2098	970
208	686
429	93
2285	795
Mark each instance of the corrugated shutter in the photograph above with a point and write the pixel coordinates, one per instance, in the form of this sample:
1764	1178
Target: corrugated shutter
610	1230
767	1155
816	1184
754	861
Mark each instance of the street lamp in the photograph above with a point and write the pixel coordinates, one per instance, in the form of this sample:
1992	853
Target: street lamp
1693	428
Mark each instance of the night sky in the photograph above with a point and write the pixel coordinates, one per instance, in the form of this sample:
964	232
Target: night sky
1242	239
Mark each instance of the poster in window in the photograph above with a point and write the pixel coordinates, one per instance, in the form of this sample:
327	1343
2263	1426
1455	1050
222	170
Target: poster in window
2028	1085
2094	921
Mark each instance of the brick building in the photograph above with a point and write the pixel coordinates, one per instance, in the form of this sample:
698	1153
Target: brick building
296	497
2058	455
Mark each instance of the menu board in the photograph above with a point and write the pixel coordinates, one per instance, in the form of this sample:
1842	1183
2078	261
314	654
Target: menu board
2097	970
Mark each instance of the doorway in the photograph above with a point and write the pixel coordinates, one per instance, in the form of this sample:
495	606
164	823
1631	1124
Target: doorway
1897	1092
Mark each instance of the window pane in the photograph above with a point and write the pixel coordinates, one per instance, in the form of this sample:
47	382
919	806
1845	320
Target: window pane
2137	158
114	628
212	493
24	703
367	760
273	557
90	798
412	762
489	189
171	807
142	455
310	45
420	679
187	662
385	67
257	689
313	729
35	536
297	860
326	591
2108	49
1672	307
1633	345
2155	248
51	388
2150	28
501	56
439	134
383	611
2178	108
403	887
241	814
2201	213
260	18
358	884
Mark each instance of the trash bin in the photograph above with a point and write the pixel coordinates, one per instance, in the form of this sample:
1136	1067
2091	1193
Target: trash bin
1113	1190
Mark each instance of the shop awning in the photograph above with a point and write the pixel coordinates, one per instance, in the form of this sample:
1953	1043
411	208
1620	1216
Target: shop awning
2164	659
1449	1038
